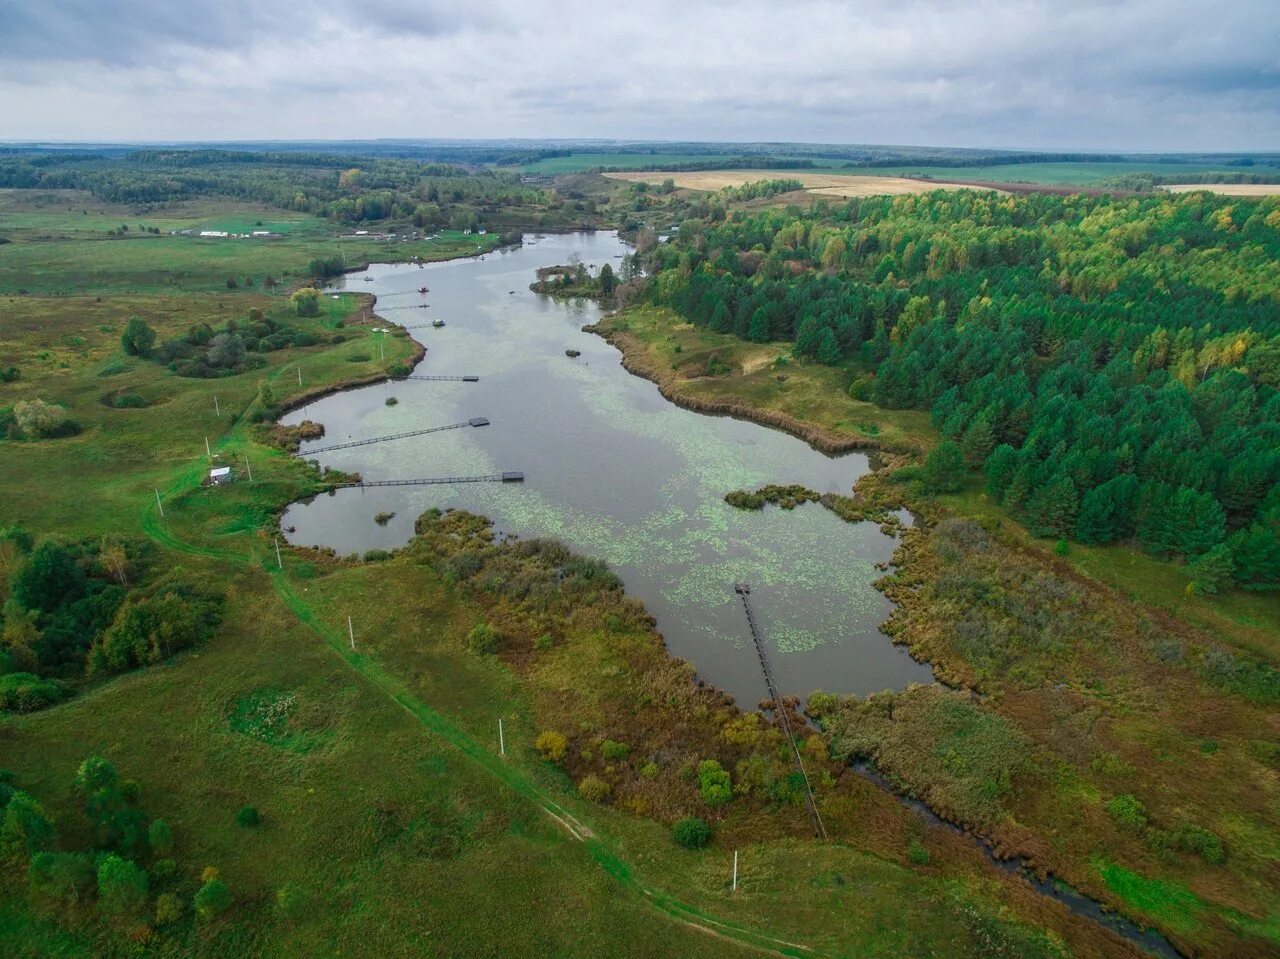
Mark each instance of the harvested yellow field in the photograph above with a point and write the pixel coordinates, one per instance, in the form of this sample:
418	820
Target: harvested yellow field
1227	189
828	184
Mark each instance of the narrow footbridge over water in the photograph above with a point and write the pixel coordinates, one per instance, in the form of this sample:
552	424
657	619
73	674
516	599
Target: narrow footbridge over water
508	476
780	710
474	421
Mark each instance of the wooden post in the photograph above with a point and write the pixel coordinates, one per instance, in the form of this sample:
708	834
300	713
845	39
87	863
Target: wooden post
735	870
207	452
502	742
299	375
216	410
351	632
159	504
279	561
247	468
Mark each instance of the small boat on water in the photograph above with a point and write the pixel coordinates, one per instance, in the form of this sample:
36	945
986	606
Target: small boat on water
368	279
424	290
437	323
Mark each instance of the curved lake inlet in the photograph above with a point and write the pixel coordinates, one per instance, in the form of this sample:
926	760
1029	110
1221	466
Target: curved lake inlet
613	470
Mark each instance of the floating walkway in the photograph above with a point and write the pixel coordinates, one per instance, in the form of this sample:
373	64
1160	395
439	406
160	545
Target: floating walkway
474	421
455	379
509	476
744	590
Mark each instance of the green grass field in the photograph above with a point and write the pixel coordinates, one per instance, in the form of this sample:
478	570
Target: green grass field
1047	174
58	248
577	162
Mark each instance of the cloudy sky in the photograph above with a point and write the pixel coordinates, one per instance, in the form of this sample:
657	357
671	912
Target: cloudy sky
1082	74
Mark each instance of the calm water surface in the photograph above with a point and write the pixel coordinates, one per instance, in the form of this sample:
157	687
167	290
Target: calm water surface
613	470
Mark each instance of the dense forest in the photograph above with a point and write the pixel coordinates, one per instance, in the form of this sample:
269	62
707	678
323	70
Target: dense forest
344	188
1112	365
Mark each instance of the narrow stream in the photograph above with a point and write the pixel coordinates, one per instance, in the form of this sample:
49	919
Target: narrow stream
1080	904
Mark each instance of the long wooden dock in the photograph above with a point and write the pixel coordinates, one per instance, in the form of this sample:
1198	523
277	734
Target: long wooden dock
779	709
474	421
454	379
508	476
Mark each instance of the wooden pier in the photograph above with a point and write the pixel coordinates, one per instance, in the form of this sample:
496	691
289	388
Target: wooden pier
474	421
453	379
780	710
508	476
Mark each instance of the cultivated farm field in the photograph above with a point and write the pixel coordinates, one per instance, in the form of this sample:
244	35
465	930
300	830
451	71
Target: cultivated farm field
1227	189
826	184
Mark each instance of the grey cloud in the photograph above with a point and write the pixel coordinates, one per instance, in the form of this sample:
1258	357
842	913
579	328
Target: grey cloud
1095	74
127	32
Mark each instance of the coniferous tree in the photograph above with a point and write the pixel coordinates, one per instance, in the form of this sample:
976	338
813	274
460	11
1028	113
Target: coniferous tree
1106	511
999	469
1020	486
1256	554
944	470
1212	570
1198	523
828	350
978	439
1052	508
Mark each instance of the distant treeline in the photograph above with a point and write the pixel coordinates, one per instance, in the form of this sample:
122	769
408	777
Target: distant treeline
348	189
1147	182
508	154
759	189
985	159
728	163
1113	365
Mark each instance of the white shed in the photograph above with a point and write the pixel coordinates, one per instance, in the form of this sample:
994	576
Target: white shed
220	474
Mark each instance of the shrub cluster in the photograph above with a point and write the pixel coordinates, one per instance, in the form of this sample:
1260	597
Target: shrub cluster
77	609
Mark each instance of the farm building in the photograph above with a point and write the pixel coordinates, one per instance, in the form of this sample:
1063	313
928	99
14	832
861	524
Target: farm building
219	475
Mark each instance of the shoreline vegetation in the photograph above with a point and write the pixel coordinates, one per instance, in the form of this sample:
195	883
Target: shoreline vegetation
635	361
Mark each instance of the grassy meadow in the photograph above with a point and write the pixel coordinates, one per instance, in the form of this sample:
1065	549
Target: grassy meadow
1079	174
391	824
58	248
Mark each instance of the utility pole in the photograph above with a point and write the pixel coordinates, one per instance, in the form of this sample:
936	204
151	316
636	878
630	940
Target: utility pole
299	375
279	561
248	468
735	870
216	410
502	742
159	504
351	632
207	452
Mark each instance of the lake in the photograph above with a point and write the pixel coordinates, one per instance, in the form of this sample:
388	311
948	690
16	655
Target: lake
613	470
